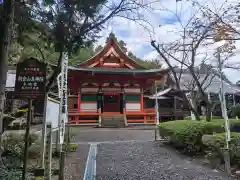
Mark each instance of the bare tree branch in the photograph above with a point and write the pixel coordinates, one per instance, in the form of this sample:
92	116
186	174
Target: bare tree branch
40	50
177	81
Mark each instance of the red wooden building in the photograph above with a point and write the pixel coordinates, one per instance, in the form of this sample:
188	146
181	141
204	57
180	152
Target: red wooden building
110	87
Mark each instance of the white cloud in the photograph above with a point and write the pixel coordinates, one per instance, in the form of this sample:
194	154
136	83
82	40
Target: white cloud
164	13
151	55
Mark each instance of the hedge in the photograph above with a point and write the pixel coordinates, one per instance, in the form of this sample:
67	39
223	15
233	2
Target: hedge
187	134
216	142
202	117
235	111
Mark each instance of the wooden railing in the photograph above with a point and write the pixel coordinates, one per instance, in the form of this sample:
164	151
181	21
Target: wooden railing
173	112
148	115
167	111
150	110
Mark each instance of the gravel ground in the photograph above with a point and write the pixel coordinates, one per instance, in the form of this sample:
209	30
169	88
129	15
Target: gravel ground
119	160
89	134
75	163
113	135
149	161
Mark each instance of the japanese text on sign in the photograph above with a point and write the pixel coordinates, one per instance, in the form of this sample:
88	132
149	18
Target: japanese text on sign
63	117
30	79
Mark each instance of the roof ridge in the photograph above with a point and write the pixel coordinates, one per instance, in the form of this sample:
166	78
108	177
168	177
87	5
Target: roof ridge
111	42
127	55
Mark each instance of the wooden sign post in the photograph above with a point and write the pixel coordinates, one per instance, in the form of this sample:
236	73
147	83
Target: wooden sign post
48	153
63	103
29	84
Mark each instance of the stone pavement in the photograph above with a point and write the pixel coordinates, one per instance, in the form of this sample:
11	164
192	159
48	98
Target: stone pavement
130	154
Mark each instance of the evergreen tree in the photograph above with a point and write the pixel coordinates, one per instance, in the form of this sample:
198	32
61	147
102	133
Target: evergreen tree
62	26
98	49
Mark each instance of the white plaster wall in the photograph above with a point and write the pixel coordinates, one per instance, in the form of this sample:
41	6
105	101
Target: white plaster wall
89	89
88	107
133	106
132	90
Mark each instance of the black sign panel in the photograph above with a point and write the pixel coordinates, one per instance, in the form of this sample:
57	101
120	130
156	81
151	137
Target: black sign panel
30	79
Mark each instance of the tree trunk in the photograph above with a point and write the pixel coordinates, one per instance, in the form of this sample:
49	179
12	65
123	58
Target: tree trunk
5	37
204	96
196	114
177	81
208	111
191	107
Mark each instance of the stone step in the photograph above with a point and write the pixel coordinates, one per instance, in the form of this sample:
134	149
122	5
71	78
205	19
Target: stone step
113	121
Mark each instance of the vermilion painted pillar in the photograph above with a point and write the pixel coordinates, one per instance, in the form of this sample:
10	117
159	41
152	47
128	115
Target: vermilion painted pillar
142	104
79	101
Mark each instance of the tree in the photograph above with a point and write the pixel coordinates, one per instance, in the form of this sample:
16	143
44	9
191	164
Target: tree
82	55
75	24
6	24
120	43
225	29
34	47
177	78
68	26
238	83
194	33
98	49
112	36
203	29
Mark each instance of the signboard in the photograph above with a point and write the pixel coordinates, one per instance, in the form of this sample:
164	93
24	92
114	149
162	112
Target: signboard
63	115
30	79
52	112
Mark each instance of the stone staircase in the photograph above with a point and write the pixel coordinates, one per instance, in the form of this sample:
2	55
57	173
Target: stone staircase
112	121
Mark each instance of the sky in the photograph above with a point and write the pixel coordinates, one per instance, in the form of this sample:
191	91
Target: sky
163	25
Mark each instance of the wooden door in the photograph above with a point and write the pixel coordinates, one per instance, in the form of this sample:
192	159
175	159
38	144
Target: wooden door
111	103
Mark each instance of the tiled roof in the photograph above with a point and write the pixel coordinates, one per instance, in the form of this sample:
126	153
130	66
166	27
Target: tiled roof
211	84
118	70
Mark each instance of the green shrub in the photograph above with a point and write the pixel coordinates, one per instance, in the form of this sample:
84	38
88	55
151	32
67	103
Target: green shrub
184	134
70	147
187	134
11	169
13	174
215	143
202	117
68	138
13	146
73	147
35	149
13	141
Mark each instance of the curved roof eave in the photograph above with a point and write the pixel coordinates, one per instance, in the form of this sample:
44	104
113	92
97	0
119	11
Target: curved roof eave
118	48
160	93
127	57
119	71
97	54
